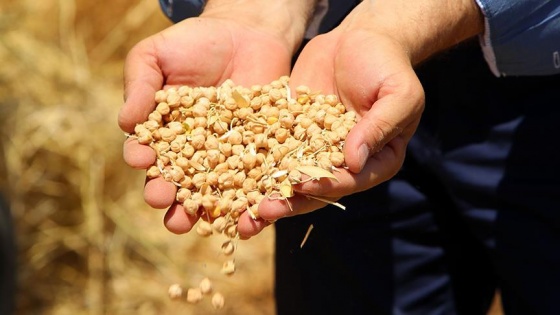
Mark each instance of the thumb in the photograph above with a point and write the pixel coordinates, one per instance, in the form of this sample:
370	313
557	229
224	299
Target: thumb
392	115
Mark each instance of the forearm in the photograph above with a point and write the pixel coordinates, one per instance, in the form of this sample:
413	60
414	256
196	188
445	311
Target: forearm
422	28
286	19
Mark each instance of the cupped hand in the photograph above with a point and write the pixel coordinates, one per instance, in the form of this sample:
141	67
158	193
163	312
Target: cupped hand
372	75
195	52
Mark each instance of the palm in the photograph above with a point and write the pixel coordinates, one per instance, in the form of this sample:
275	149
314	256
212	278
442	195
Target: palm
206	52
372	76
196	52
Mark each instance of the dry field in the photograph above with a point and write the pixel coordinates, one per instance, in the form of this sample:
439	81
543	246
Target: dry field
87	243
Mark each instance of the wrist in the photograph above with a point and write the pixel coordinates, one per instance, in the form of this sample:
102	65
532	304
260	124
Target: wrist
284	19
421	28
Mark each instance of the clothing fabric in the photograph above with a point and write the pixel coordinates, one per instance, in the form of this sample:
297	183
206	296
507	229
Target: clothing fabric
522	37
7	260
474	208
178	10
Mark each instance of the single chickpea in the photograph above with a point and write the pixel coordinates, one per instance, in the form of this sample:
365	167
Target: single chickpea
235	137
218	301
243	113
249	184
173	99
281	103
163	108
213	157
313	129
295	107
152	125
198	141
221	168
256	103
219	223
337	159
230	104
249	161
187	101
239	178
294	176
176	173
220	127
204	228
225	149
153	172
211	142
187	151
199	179
228	268
145	137
228	248
331	99
194	295
281	135
190	206
160	96
200	122
205	286
253	197
342	132
183	194
287	120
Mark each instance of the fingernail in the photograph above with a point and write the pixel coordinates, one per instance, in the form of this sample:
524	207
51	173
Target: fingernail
363	155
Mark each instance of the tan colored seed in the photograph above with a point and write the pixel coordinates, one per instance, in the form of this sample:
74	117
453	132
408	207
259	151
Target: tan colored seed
228	268
205	286
191	207
175	291
218	301
219	224
228	248
204	228
194	295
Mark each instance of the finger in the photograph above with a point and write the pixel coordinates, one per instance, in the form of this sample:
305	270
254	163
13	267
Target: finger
388	118
142	78
387	96
313	67
159	193
137	155
177	221
248	227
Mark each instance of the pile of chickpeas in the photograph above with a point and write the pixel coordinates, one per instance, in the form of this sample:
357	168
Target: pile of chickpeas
228	147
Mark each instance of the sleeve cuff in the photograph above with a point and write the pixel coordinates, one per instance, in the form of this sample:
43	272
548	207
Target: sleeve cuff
178	10
521	38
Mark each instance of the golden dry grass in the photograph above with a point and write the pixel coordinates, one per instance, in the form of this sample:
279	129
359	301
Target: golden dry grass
87	243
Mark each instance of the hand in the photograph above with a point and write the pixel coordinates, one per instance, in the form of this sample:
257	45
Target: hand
368	62
196	52
373	77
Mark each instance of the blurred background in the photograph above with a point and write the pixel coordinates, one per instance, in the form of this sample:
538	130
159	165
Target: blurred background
85	241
